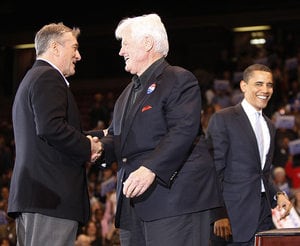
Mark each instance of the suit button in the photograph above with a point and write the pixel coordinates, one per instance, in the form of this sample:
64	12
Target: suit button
124	159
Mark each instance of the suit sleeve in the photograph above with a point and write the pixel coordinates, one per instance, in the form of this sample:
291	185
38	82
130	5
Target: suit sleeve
57	117
218	144
182	121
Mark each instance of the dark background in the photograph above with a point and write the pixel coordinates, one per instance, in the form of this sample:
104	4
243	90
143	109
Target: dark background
197	29
199	32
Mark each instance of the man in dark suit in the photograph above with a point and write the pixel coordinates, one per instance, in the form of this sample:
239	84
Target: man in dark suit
166	177
244	173
48	192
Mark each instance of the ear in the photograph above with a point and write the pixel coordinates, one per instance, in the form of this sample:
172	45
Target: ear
54	46
148	42
243	85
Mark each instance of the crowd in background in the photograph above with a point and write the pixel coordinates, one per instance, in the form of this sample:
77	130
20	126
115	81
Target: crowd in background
220	89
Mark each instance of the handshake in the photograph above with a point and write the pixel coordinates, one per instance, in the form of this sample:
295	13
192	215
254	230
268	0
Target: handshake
96	148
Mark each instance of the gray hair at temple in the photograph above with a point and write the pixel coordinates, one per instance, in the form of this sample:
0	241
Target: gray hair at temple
51	32
145	25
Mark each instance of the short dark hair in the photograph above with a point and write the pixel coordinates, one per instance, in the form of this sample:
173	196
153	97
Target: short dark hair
254	67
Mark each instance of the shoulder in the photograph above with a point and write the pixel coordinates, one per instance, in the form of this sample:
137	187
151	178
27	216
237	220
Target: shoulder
229	111
178	78
177	71
165	69
227	116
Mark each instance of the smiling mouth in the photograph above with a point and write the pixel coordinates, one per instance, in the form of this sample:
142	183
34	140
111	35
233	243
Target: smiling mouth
263	97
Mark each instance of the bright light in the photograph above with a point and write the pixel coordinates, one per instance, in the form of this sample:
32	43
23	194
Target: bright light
251	28
24	46
257	41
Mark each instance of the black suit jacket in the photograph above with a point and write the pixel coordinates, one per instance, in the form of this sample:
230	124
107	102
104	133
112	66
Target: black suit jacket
160	132
237	160
49	175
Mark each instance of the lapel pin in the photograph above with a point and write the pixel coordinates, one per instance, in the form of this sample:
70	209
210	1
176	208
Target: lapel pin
151	88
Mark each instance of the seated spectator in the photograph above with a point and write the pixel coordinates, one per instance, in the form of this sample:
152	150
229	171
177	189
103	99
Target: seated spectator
89	236
281	180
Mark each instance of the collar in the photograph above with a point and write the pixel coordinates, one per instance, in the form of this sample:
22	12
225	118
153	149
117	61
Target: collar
249	109
145	76
55	67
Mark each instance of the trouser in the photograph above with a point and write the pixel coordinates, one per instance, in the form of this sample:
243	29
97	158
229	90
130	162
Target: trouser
188	229
36	229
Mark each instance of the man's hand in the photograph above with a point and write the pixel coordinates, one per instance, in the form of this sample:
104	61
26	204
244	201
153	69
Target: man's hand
283	203
96	148
138	182
222	228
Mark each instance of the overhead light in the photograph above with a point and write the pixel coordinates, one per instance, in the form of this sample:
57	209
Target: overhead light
24	46
251	28
257	41
257	38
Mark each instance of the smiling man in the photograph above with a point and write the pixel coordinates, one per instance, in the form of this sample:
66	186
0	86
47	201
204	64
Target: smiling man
243	159
166	178
48	191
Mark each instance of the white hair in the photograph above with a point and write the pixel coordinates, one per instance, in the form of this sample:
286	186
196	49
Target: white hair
145	25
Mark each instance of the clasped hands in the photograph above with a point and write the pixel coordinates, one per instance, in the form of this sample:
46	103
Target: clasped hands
96	148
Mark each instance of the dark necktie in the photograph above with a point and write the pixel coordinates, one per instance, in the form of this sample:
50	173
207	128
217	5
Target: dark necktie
137	84
136	88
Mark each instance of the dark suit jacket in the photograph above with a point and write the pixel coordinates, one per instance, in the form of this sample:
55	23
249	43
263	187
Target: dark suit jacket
49	175
160	133
237	161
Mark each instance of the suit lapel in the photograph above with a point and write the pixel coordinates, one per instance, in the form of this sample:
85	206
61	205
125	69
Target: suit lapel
130	116
142	97
120	109
244	121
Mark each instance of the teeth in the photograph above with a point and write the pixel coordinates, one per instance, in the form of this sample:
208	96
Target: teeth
262	97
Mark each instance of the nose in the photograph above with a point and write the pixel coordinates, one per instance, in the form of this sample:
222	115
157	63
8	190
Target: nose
78	56
121	51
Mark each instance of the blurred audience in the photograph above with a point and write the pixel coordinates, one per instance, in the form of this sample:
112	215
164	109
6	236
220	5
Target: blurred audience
90	236
220	88
281	181
296	200
292	168
99	113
